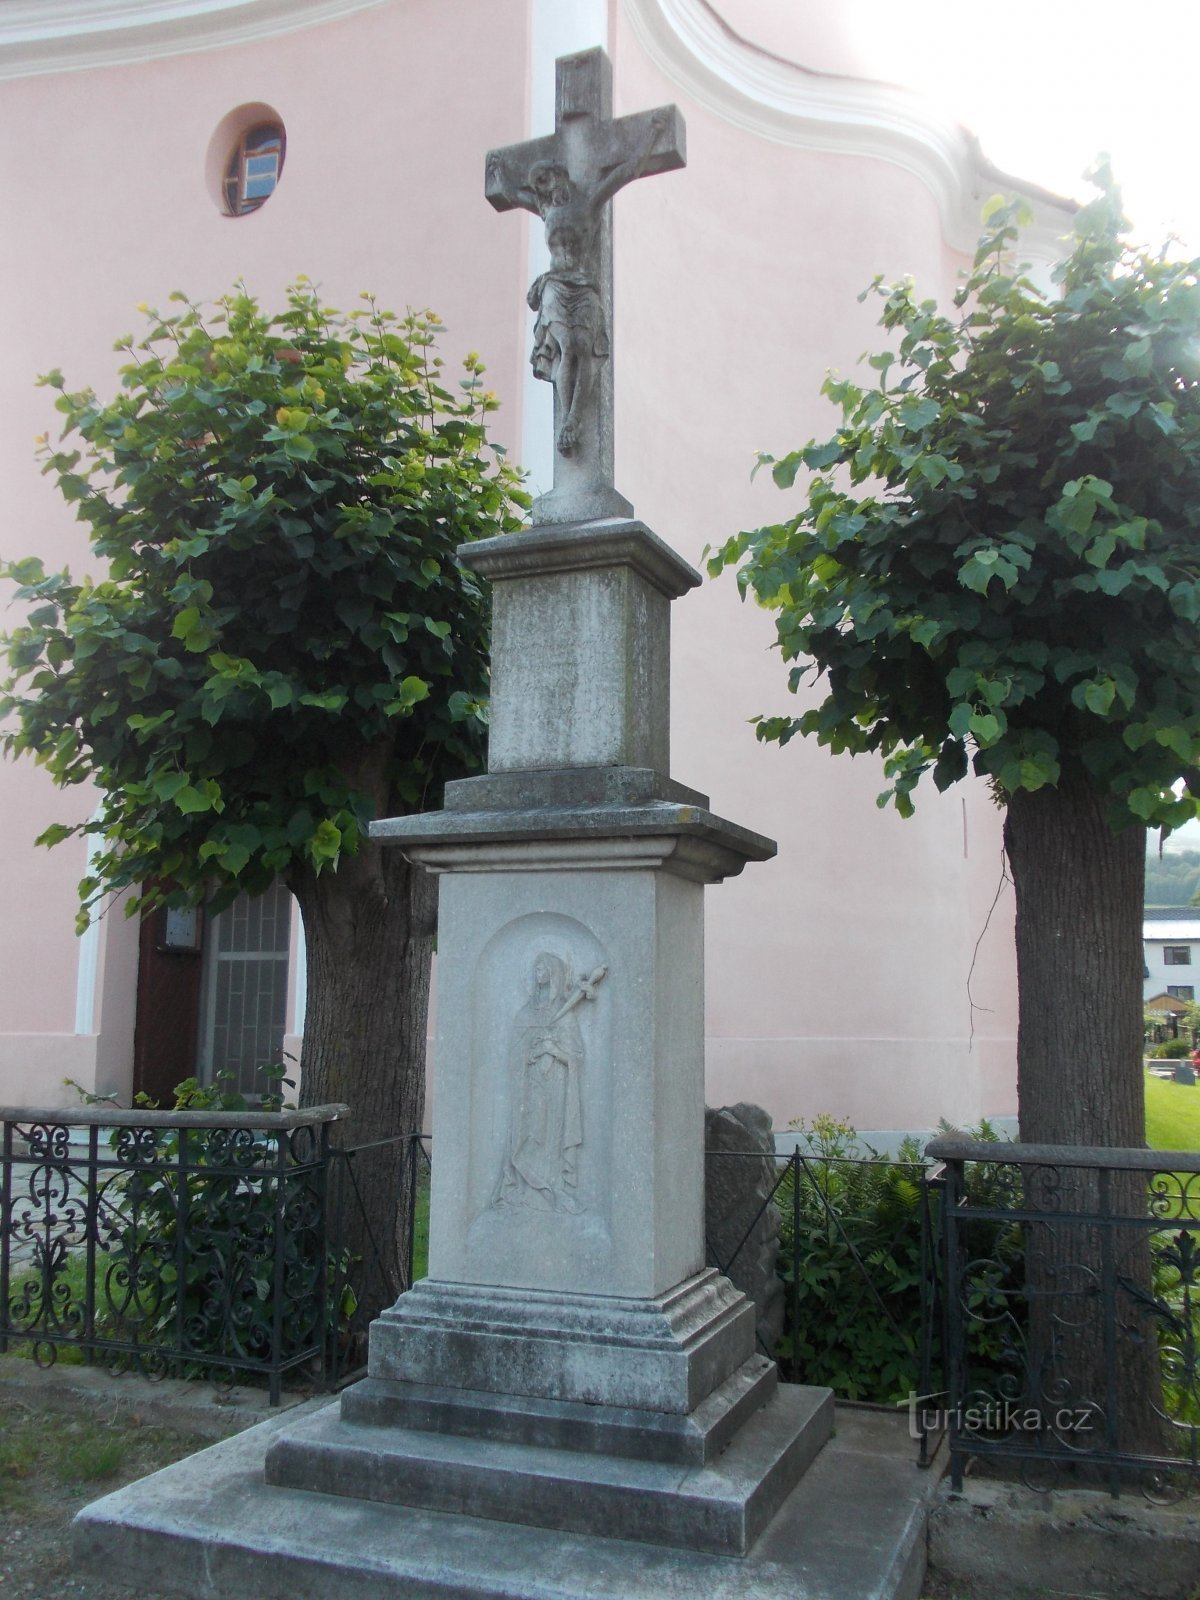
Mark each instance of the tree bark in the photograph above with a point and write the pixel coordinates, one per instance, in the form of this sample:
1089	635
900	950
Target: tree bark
369	929
1079	889
1079	966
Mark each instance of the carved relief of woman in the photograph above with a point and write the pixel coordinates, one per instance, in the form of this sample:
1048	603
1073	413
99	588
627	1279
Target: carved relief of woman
541	1163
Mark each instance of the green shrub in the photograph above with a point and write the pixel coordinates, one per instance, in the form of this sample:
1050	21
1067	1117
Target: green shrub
853	1266
1171	1049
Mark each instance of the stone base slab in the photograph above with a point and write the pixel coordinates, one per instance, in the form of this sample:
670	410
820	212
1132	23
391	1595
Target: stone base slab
210	1528
721	1507
663	1354
692	1441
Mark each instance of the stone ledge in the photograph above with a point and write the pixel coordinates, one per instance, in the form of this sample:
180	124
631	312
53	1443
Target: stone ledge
852	1529
539	787
685	840
581	546
692	1440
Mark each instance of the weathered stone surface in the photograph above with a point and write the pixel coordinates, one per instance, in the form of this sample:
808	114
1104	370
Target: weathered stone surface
682	839
741	1221
852	1529
656	1353
629	1089
1000	1540
581	657
595	546
720	1507
583	788
691	1438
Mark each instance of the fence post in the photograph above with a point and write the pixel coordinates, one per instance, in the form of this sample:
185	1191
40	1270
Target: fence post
182	1218
1108	1302
6	1232
794	1162
953	1353
931	1178
279	1265
412	1154
91	1228
341	1274
327	1306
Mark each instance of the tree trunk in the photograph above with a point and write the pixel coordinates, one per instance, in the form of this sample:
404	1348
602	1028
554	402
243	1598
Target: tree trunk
369	929
1079	967
1079	889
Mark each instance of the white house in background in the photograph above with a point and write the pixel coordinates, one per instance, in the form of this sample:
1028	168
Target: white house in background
1171	936
153	145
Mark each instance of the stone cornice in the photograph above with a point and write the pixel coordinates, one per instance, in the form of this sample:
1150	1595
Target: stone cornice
777	99
41	36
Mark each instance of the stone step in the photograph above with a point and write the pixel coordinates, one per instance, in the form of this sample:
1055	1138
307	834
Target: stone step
721	1507
690	1440
209	1527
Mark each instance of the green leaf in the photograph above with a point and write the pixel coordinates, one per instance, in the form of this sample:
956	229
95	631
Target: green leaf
1099	696
190	800
167	785
985	727
56	833
325	846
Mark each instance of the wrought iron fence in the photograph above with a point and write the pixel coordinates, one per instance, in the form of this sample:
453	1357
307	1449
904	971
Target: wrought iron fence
851	1242
167	1241
396	1271
185	1242
1071	1313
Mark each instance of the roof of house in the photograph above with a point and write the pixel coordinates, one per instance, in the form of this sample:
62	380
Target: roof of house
1164	1002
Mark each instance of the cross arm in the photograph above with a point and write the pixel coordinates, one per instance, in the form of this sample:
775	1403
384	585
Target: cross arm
655	140
506	172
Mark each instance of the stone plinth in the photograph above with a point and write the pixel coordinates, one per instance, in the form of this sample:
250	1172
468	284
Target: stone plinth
665	1353
581	655
618	889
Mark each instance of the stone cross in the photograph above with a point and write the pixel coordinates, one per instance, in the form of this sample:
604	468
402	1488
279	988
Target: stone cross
568	178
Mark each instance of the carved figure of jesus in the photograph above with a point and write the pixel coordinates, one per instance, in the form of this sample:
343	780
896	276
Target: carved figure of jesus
568	179
570	334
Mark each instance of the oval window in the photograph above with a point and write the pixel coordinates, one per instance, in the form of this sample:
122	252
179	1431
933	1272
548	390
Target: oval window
253	168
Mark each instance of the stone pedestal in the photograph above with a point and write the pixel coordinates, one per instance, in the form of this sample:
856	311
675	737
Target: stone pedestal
570	1362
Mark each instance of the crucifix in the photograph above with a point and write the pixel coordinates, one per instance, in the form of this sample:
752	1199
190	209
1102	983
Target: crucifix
568	179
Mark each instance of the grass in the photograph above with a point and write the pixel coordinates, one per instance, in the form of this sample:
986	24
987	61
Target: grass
51	1453
421	1232
1172	1115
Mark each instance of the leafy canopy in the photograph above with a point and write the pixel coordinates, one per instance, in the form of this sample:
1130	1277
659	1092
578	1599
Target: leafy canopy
284	641
997	562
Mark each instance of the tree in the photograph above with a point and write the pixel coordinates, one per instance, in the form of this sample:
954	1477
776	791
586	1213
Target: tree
995	568
284	646
1172	876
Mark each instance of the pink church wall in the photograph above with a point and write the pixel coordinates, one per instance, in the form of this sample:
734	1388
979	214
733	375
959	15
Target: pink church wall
837	975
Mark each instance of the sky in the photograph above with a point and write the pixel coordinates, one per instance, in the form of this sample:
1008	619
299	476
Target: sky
1049	85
